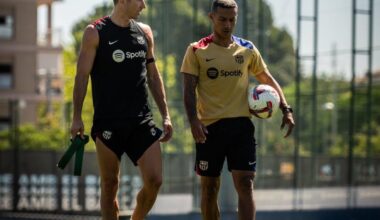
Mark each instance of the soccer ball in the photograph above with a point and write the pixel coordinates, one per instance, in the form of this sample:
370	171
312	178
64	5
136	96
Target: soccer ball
263	101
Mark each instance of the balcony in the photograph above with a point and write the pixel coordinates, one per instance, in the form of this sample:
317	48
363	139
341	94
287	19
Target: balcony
50	39
47	2
49	84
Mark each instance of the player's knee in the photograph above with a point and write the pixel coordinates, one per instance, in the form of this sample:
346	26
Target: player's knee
210	190
110	185
154	182
245	184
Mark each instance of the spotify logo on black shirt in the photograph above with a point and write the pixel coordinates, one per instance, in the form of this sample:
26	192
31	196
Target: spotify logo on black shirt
119	55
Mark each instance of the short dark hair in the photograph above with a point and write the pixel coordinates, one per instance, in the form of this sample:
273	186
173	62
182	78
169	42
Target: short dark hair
115	1
223	4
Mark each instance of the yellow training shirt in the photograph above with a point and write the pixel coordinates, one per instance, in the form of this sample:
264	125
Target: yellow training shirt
223	76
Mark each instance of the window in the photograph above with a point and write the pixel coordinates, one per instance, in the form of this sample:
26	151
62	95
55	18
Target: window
5	120
6	24
6	76
5	123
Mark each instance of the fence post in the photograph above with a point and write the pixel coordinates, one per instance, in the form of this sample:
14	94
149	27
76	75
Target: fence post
14	142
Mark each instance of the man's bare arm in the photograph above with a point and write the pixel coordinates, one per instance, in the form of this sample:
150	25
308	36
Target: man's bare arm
156	85
267	78
86	59
198	129
189	84
287	119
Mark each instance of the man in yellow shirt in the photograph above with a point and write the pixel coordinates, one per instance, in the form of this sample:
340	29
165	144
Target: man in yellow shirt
216	73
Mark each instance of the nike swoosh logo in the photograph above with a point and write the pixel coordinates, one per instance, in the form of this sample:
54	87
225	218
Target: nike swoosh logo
110	43
251	163
208	60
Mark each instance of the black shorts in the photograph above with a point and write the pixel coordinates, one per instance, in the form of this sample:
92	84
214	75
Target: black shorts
231	138
133	138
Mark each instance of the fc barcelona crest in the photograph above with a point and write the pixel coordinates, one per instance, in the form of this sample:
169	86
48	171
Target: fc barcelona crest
107	135
203	165
239	59
140	40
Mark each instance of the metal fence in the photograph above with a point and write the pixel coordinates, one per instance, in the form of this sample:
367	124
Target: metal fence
40	186
30	180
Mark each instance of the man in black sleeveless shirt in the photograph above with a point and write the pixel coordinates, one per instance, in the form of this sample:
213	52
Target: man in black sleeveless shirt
118	54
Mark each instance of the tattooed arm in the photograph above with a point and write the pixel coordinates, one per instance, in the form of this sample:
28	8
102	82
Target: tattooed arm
197	128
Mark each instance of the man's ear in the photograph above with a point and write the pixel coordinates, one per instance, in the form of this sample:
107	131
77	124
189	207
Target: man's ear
211	15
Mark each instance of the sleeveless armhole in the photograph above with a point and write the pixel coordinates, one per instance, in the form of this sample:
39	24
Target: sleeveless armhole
141	30
99	25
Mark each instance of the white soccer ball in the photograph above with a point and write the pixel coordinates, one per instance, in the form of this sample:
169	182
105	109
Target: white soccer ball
263	101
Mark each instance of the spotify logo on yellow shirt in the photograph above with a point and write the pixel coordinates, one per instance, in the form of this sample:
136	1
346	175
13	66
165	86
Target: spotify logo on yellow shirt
212	73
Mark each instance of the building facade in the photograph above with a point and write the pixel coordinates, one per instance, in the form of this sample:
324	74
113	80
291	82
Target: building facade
30	62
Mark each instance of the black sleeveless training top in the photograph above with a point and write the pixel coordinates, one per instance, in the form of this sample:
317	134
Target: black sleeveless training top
118	75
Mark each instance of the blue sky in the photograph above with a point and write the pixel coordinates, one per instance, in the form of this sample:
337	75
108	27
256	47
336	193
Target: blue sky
334	28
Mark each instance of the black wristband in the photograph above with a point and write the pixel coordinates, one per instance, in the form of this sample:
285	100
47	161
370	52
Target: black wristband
286	109
150	60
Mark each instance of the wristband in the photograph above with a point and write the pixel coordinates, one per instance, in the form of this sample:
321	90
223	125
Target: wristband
150	60
286	109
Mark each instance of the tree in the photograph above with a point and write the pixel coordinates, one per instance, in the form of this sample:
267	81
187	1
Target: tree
51	130
327	142
175	24
46	133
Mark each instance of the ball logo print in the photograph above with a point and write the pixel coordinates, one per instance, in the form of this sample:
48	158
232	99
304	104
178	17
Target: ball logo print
263	101
118	56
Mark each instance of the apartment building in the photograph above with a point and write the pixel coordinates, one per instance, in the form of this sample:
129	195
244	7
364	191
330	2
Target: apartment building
30	62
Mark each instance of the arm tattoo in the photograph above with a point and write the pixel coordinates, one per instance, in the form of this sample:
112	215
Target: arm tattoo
190	83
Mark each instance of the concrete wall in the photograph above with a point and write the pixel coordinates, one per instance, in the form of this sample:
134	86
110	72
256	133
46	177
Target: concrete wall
20	50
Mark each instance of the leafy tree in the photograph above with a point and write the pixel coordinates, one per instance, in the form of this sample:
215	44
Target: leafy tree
275	44
47	133
327	142
78	28
52	128
174	27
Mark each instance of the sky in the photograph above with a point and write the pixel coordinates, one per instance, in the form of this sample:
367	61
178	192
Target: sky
335	24
335	28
